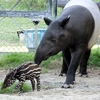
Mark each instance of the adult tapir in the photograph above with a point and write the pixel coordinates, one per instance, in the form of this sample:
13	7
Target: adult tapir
74	33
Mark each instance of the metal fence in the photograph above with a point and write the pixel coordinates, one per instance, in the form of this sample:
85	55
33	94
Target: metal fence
18	16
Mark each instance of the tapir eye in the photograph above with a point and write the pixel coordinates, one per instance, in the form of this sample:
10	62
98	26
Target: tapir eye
54	40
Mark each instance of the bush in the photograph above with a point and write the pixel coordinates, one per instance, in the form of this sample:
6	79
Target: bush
94	59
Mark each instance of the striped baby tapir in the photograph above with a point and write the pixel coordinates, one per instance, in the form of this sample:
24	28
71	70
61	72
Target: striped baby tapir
27	71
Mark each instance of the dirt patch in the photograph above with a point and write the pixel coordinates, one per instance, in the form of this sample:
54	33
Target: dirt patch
84	89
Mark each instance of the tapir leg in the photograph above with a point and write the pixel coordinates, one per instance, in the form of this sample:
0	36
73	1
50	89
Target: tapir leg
76	55
83	63
66	61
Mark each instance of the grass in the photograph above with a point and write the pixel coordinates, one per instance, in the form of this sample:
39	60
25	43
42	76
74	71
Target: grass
94	60
96	0
24	4
9	90
15	59
9	60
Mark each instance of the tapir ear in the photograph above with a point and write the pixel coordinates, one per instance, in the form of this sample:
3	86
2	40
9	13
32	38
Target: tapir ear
11	69
47	21
65	21
15	71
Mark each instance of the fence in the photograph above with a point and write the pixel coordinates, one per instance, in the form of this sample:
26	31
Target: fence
16	18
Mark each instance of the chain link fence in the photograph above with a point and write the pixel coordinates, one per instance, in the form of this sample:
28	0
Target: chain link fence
15	19
12	28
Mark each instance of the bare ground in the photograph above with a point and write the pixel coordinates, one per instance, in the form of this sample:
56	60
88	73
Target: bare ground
84	89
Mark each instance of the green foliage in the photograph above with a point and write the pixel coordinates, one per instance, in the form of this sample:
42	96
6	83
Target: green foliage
24	4
51	63
26	87
94	59
14	59
9	90
96	0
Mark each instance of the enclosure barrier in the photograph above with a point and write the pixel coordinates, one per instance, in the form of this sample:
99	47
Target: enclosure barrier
17	30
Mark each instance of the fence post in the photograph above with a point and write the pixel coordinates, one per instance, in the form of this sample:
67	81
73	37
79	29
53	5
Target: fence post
55	9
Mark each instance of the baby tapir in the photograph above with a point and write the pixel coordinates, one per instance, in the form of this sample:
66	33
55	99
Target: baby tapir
26	71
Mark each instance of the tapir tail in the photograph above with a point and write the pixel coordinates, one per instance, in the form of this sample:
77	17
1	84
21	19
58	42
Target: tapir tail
98	4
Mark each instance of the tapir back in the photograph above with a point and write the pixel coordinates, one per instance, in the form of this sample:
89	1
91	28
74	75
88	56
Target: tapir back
28	70
93	8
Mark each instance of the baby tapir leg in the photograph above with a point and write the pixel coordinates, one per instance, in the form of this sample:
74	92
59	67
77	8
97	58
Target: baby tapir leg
38	83
20	84
33	83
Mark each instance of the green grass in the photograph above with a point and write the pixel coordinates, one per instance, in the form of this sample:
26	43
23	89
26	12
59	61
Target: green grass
9	90
96	0
15	59
12	60
94	60
24	4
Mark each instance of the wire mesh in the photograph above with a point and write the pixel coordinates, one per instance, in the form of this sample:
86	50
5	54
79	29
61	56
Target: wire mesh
12	38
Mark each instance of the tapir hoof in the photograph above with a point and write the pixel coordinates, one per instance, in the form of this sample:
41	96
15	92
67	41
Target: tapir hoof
67	86
83	75
62	74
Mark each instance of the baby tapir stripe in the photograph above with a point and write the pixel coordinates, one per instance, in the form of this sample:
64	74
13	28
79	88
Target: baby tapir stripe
26	71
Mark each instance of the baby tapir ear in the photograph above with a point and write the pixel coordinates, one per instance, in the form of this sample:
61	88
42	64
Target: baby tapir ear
65	21
47	21
13	71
